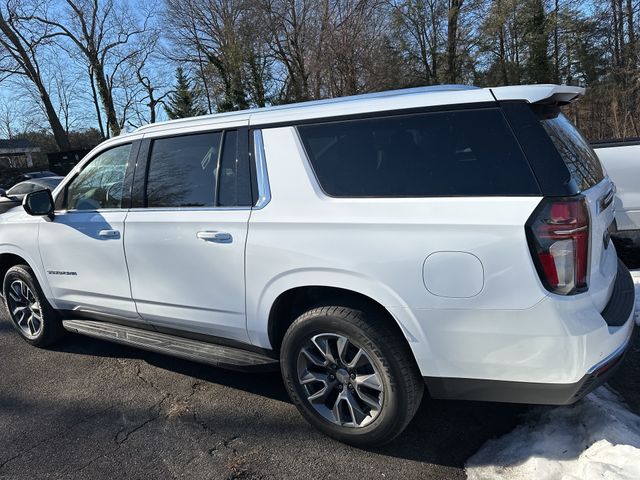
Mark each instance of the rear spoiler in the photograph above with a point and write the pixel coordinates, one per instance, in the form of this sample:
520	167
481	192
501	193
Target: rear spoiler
540	94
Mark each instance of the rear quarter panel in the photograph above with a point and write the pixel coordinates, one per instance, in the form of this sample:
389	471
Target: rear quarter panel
378	247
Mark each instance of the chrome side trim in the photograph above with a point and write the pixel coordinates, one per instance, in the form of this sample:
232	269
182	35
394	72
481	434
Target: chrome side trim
264	190
187	209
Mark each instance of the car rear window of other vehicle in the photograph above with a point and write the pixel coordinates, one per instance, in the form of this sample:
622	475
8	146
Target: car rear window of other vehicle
23	188
583	163
451	153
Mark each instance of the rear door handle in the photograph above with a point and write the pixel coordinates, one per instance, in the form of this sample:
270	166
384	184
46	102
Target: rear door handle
216	237
109	233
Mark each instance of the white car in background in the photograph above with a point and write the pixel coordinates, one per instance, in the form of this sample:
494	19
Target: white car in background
621	160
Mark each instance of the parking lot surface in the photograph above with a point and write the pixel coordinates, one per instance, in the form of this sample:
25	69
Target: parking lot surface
91	409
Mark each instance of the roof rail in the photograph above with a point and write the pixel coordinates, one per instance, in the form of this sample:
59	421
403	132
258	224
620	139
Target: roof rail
351	98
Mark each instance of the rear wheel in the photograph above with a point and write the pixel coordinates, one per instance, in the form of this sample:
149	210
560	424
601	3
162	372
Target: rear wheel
32	316
350	375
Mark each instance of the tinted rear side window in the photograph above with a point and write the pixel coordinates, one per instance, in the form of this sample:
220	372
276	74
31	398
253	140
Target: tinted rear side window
234	184
466	152
182	171
582	162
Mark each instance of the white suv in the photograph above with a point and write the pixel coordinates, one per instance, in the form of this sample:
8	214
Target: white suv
451	237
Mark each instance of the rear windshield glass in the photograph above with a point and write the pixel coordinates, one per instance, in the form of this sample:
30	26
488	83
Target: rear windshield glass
464	152
578	156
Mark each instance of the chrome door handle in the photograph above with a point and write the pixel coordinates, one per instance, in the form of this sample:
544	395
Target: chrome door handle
216	237
109	233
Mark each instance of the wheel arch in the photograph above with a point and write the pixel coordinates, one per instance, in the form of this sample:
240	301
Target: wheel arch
11	256
292	303
291	294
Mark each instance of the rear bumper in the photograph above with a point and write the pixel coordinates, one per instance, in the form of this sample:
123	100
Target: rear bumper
620	305
524	392
618	315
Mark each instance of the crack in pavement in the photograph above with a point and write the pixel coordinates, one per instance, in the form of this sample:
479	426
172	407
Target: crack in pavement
146	422
226	444
158	406
124	434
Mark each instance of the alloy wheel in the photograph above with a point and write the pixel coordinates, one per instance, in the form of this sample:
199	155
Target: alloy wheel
24	308
340	380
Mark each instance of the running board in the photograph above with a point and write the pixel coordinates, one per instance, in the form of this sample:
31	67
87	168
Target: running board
195	350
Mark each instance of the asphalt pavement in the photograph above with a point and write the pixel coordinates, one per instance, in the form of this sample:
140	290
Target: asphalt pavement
95	410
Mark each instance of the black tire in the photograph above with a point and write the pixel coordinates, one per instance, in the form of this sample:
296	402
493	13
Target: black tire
387	353
50	329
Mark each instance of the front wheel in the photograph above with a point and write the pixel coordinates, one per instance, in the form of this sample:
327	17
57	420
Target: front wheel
32	316
351	375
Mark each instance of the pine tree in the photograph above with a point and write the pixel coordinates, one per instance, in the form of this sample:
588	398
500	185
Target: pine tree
537	39
183	102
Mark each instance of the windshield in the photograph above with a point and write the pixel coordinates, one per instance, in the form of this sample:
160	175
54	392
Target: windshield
578	156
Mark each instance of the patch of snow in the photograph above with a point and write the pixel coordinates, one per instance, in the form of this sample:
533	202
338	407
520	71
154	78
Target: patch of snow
596	438
636	280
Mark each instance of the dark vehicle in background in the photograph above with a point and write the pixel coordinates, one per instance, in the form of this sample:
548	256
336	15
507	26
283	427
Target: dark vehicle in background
14	196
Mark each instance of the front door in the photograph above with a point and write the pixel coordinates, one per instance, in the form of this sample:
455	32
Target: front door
185	244
82	247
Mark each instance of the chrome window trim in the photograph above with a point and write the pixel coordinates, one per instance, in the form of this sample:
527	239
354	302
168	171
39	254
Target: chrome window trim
187	209
262	177
99	210
157	209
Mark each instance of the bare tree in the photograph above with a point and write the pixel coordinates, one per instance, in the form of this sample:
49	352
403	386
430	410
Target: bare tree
295	29
151	97
22	46
421	25
103	32
10	115
211	30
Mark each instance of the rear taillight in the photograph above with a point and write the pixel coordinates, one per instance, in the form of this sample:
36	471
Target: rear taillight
558	236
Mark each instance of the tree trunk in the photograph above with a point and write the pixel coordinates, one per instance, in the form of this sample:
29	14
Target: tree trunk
96	103
452	39
105	96
632	49
556	44
616	34
59	133
503	58
516	44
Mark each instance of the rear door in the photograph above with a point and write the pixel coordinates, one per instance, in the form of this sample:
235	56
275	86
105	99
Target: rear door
186	233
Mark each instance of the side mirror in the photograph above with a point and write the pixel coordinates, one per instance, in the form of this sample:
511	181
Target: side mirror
3	192
39	203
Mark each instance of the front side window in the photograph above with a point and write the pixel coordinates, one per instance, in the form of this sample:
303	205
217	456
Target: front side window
462	152
100	184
